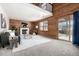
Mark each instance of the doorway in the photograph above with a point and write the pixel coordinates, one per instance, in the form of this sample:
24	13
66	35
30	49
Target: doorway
65	28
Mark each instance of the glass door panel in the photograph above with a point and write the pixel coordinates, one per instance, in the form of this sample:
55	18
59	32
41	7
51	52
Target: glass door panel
65	29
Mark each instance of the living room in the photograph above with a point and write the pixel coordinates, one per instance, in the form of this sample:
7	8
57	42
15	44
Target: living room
38	29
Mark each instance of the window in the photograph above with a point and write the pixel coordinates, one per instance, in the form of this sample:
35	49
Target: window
43	26
46	6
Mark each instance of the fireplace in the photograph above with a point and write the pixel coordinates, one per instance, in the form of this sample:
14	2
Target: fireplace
24	31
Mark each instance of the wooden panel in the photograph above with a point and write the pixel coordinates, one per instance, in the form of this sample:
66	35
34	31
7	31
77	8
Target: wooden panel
15	23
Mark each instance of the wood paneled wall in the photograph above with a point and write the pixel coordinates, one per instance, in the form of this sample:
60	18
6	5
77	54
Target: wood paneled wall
17	24
59	11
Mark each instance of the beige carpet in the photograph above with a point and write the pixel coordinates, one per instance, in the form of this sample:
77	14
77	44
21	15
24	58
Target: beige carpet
53	48
30	42
5	51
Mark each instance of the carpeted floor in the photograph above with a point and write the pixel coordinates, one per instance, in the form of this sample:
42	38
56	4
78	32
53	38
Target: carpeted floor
51	48
5	52
30	42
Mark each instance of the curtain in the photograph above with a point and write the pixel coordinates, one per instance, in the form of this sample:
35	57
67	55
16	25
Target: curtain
76	28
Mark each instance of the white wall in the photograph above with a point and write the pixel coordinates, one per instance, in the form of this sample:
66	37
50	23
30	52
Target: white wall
6	18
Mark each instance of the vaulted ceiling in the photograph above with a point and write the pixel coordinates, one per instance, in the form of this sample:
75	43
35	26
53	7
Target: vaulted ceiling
24	11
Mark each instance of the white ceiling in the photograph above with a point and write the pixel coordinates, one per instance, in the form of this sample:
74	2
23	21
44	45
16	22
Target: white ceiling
27	12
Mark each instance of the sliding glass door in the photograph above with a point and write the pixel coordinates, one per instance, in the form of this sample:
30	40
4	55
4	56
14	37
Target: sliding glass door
65	28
